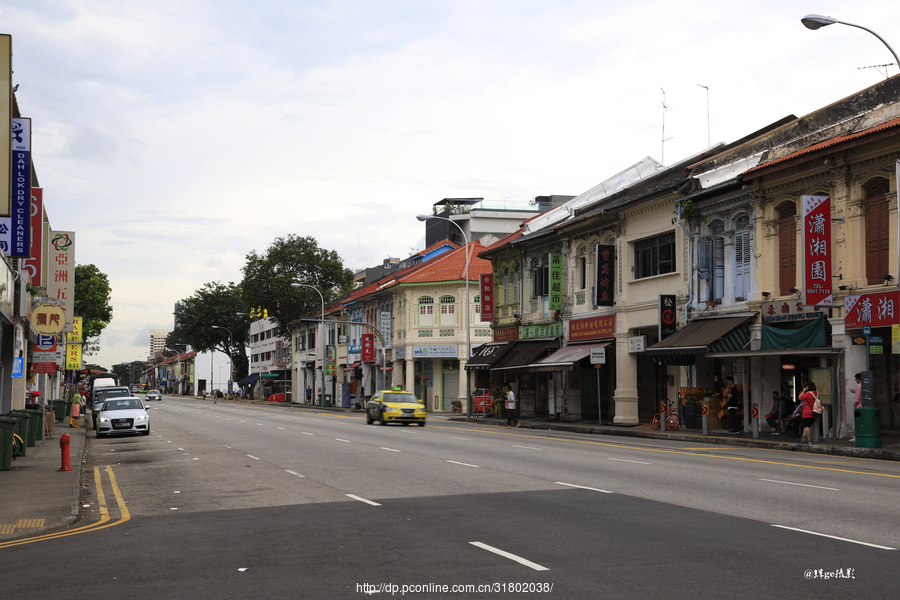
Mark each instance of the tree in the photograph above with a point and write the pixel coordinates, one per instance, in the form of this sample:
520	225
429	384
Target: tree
92	292
293	259
130	373
214	304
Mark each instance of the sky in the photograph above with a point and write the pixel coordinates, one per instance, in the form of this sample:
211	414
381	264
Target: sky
176	136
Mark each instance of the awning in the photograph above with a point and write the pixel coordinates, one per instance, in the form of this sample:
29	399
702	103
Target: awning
249	379
523	353
487	355
565	358
694	339
354	365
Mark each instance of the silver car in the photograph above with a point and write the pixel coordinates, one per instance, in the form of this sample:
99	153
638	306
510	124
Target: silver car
123	415
154	395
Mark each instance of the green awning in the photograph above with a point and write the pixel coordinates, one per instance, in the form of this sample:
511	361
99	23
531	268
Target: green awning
813	335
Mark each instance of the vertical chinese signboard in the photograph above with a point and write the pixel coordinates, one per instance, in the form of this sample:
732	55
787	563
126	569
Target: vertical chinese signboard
486	293
368	347
330	359
816	250
871	310
606	262
667	316
61	272
556	282
21	188
34	264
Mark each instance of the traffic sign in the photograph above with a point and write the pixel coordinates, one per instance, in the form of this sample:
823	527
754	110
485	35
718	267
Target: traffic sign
867	330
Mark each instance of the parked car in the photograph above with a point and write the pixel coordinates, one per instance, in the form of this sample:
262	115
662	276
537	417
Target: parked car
134	389
123	415
102	393
395	406
154	395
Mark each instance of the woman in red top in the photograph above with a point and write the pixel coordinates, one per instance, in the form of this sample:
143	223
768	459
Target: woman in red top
808	417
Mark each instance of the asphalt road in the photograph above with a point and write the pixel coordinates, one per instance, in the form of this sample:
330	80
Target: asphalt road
321	505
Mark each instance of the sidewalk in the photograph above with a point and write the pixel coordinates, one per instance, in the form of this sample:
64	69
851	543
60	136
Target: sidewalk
35	496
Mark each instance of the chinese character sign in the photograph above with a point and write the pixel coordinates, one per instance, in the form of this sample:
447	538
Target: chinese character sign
606	263
486	292
33	264
872	310
61	272
592	327
555	281
368	347
21	188
667	316
817	250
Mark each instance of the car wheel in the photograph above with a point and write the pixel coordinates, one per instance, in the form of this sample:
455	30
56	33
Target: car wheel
421	423
383	422
369	419
146	432
100	435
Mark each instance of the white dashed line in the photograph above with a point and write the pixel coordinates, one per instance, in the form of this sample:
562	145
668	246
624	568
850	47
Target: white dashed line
631	461
390	449
281	428
505	554
463	464
253	457
362	500
834	537
527	447
583	487
340	440
293	473
458	438
818	487
307	433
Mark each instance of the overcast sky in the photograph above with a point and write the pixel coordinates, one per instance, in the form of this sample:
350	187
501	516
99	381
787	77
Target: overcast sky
176	136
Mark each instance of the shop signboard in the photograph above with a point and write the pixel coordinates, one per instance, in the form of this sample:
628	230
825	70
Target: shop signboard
20	226
873	310
33	265
667	316
540	331
816	250
506	334
606	263
789	310
556	282
486	293
368	347
61	272
592	328
435	351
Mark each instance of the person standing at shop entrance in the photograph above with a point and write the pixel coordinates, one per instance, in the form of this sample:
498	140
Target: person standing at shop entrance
808	417
731	403
510	408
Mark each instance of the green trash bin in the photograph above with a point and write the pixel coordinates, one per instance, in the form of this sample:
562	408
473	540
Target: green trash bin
37	423
59	410
23	428
327	402
7	428
867	421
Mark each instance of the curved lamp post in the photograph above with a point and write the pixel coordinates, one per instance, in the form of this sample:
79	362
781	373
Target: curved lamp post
321	336
230	360
468	308
816	21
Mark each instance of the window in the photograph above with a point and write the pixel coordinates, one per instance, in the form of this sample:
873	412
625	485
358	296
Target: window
787	247
742	257
311	339
426	312
717	290
448	311
581	265
878	235
515	283
505	285
477	302
654	256
540	280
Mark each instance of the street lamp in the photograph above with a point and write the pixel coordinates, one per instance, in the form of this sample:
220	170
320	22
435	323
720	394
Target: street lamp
230	360
466	312
321	337
816	21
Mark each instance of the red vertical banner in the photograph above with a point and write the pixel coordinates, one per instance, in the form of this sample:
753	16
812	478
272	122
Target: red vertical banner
606	266
486	291
33	264
368	347
816	250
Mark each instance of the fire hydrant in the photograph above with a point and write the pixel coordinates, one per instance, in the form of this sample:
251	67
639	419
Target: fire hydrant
64	447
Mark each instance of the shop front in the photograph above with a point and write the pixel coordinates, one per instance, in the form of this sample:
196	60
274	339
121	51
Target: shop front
536	395
585	382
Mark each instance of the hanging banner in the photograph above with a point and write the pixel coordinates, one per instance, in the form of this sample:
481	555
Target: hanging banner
606	263
5	119
21	188
816	250
73	357
61	272
872	310
75	335
667	316
368	347
33	265
486	293
556	282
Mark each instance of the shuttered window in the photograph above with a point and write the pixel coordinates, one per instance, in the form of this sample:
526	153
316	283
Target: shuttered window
742	258
717	290
787	247
878	238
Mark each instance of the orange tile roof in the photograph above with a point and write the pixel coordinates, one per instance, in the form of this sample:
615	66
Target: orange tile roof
450	266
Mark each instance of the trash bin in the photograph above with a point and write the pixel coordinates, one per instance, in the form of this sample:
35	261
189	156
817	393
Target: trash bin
7	428
867	420
23	427
37	422
59	410
327	402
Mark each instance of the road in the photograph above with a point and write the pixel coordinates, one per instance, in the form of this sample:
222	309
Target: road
275	502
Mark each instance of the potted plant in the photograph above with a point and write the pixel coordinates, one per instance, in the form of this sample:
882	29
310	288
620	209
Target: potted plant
457	406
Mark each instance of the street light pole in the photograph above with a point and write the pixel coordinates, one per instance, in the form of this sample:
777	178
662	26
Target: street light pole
319	342
816	21
466	312
230	359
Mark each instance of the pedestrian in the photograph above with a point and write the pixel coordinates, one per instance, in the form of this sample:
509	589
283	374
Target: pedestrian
857	393
510	408
808	417
308	395
775	419
731	403
75	411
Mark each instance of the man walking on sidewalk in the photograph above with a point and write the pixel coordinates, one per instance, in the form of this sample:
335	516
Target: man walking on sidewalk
510	408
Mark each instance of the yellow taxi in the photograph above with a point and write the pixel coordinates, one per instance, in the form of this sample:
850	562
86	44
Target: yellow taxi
395	406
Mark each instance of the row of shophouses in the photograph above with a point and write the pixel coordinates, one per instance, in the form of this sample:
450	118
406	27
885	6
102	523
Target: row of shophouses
676	277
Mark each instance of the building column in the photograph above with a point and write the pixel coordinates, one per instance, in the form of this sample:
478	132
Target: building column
626	394
846	365
410	385
463	394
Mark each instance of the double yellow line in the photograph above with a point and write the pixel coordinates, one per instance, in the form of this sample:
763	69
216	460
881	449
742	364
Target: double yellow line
104	522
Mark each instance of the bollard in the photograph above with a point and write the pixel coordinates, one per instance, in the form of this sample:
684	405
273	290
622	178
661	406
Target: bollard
64	447
814	430
754	421
704	418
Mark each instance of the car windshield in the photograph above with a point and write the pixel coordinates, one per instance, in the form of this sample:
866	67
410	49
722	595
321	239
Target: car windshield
121	405
102	395
400	397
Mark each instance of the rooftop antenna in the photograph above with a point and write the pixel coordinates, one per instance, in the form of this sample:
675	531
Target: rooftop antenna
665	107
708	137
878	67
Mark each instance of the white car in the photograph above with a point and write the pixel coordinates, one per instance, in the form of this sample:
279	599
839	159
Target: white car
123	415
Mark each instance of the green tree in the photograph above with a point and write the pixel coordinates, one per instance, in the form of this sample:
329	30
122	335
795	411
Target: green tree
293	259
92	292
214	304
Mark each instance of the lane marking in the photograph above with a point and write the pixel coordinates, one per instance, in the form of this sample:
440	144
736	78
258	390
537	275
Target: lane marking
281	428
340	440
253	457
527	447
463	464
819	487
260	424
459	438
582	487
362	499
293	473
229	447
518	559
631	461
305	433
389	449
834	537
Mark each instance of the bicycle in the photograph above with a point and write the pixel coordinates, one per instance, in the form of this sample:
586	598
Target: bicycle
672	420
18	445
